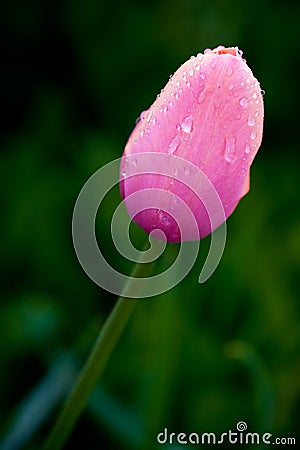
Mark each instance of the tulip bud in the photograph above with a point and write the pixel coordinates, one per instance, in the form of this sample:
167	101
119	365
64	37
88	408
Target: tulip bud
209	117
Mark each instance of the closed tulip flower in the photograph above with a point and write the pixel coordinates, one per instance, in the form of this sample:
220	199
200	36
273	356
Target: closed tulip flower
208	118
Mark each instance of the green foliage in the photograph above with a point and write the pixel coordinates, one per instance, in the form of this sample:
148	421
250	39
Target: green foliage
199	358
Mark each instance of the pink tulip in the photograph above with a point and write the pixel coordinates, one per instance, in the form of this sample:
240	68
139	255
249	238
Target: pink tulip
209	114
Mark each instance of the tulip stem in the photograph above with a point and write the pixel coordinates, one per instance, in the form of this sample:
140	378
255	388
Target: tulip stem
95	364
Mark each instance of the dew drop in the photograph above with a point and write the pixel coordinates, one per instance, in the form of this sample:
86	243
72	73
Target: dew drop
201	87
197	67
134	162
173	144
253	135
213	64
262	92
175	172
201	97
231	86
123	173
202	75
247	148
164	109
187	124
229	151
207	50
164	218
188	84
254	95
243	101
191	72
251	121
177	95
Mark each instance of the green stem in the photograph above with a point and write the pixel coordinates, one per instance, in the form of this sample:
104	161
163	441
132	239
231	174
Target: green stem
94	367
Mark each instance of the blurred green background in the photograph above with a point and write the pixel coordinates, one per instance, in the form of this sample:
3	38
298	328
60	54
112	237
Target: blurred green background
75	76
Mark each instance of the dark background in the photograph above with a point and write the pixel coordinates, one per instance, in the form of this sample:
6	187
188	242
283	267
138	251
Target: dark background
75	76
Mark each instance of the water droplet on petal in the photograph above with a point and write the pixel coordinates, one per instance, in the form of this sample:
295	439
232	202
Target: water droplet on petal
202	75
213	64
201	87
207	50
164	109
197	67
201	97
243	101
173	144
164	218
188	84
253	135
247	148
191	72
231	86
251	121
254	95
175	172
134	162
229	151
262	92
187	124
186	170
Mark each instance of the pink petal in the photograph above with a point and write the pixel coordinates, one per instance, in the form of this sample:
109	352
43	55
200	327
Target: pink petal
210	113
